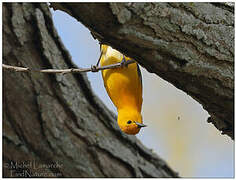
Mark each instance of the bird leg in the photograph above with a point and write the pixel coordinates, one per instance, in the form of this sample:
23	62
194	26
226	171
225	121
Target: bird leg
94	68
123	62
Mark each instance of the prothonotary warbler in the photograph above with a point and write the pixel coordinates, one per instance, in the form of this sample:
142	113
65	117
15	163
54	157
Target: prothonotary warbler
124	86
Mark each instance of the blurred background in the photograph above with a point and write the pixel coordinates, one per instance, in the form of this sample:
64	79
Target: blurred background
177	125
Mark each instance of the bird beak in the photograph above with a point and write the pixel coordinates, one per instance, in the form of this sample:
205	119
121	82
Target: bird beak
140	125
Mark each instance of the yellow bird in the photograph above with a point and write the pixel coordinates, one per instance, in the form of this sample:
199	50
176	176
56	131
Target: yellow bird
124	86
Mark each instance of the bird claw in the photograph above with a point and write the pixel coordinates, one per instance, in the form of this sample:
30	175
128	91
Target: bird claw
94	68
123	62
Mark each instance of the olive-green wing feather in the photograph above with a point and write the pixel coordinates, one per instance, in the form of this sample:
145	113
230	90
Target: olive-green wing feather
140	79
140	75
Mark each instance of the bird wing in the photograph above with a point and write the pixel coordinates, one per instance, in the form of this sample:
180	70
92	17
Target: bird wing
140	75
140	100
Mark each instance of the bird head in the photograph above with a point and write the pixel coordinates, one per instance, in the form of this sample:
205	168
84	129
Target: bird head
130	122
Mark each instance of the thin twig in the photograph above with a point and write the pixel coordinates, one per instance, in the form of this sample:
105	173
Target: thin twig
71	70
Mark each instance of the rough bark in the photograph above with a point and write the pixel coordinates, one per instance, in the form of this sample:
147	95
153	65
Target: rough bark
191	45
56	120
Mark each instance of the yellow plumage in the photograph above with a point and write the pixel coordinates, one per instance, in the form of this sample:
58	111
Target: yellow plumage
124	87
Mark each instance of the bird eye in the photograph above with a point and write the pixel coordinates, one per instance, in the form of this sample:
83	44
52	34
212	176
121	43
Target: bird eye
129	122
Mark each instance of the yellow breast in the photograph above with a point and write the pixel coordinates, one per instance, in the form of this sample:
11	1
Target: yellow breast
123	84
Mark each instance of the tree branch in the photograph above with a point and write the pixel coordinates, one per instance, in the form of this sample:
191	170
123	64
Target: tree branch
71	70
190	45
73	126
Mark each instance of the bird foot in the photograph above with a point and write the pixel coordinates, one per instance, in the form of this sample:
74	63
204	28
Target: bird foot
94	68
123	62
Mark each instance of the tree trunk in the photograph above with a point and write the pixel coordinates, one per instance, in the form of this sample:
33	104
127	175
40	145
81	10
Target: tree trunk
53	125
191	45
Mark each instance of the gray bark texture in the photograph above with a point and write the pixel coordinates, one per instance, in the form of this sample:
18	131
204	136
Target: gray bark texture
53	125
190	45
